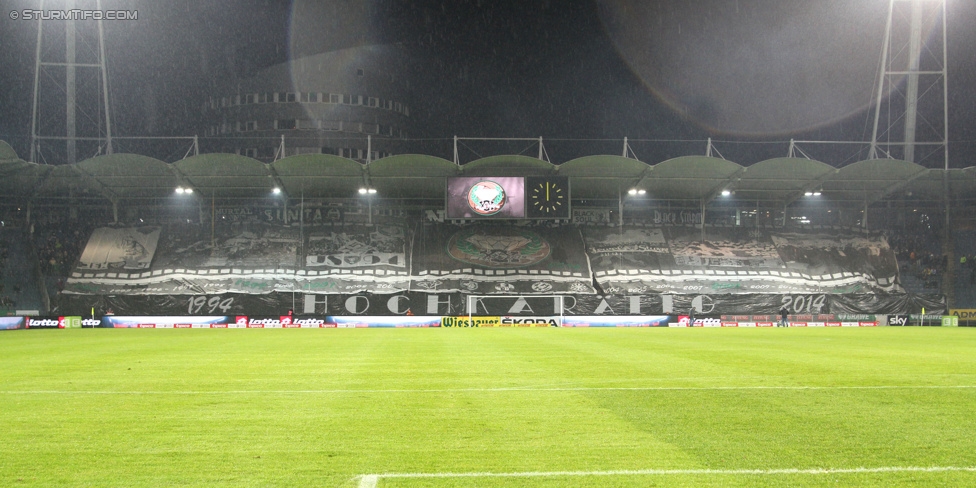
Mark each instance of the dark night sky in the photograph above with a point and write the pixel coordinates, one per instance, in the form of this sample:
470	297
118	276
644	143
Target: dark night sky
660	70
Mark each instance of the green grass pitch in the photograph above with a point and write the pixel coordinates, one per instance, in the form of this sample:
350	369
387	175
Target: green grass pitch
883	406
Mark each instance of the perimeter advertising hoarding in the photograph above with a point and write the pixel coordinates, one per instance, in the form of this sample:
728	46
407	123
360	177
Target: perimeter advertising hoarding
967	316
11	323
43	323
161	322
331	322
385	321
500	321
897	320
54	322
483	197
805	320
686	321
616	321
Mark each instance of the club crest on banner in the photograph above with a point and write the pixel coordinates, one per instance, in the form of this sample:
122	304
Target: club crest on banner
498	248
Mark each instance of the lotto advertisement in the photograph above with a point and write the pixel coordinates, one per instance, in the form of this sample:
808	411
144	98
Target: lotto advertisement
62	322
798	320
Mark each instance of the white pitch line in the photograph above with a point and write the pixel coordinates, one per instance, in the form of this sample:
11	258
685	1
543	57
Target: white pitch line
370	480
478	390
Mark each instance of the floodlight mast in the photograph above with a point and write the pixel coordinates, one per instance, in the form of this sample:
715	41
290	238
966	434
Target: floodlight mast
891	71
71	66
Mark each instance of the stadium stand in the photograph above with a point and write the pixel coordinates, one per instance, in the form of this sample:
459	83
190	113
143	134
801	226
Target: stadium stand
708	225
19	287
965	277
920	259
58	243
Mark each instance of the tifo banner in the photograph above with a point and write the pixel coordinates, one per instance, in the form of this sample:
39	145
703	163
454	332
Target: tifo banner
457	304
635	259
668	269
350	258
129	248
254	258
487	258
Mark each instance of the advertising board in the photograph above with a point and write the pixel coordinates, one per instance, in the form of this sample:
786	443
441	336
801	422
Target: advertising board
11	323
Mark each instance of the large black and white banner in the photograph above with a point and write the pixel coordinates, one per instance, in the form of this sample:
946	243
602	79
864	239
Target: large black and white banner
419	303
482	258
675	260
252	257
128	248
487	258
356	257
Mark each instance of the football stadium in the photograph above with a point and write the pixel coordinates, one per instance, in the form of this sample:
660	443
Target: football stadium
308	301
593	338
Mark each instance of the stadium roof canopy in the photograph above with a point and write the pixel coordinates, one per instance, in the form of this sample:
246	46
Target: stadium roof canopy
413	177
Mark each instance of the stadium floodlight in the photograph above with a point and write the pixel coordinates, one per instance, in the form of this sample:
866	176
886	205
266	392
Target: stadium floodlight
180	190
636	191
276	191
808	194
726	193
816	193
365	191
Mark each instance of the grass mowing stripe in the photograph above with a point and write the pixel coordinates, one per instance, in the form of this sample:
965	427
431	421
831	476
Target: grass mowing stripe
371	480
485	390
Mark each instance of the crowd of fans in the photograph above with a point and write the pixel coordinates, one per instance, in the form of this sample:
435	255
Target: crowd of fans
6	301
59	245
59	249
967	266
916	257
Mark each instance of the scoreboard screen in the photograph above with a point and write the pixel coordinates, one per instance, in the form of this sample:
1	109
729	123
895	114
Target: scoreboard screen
477	197
508	197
